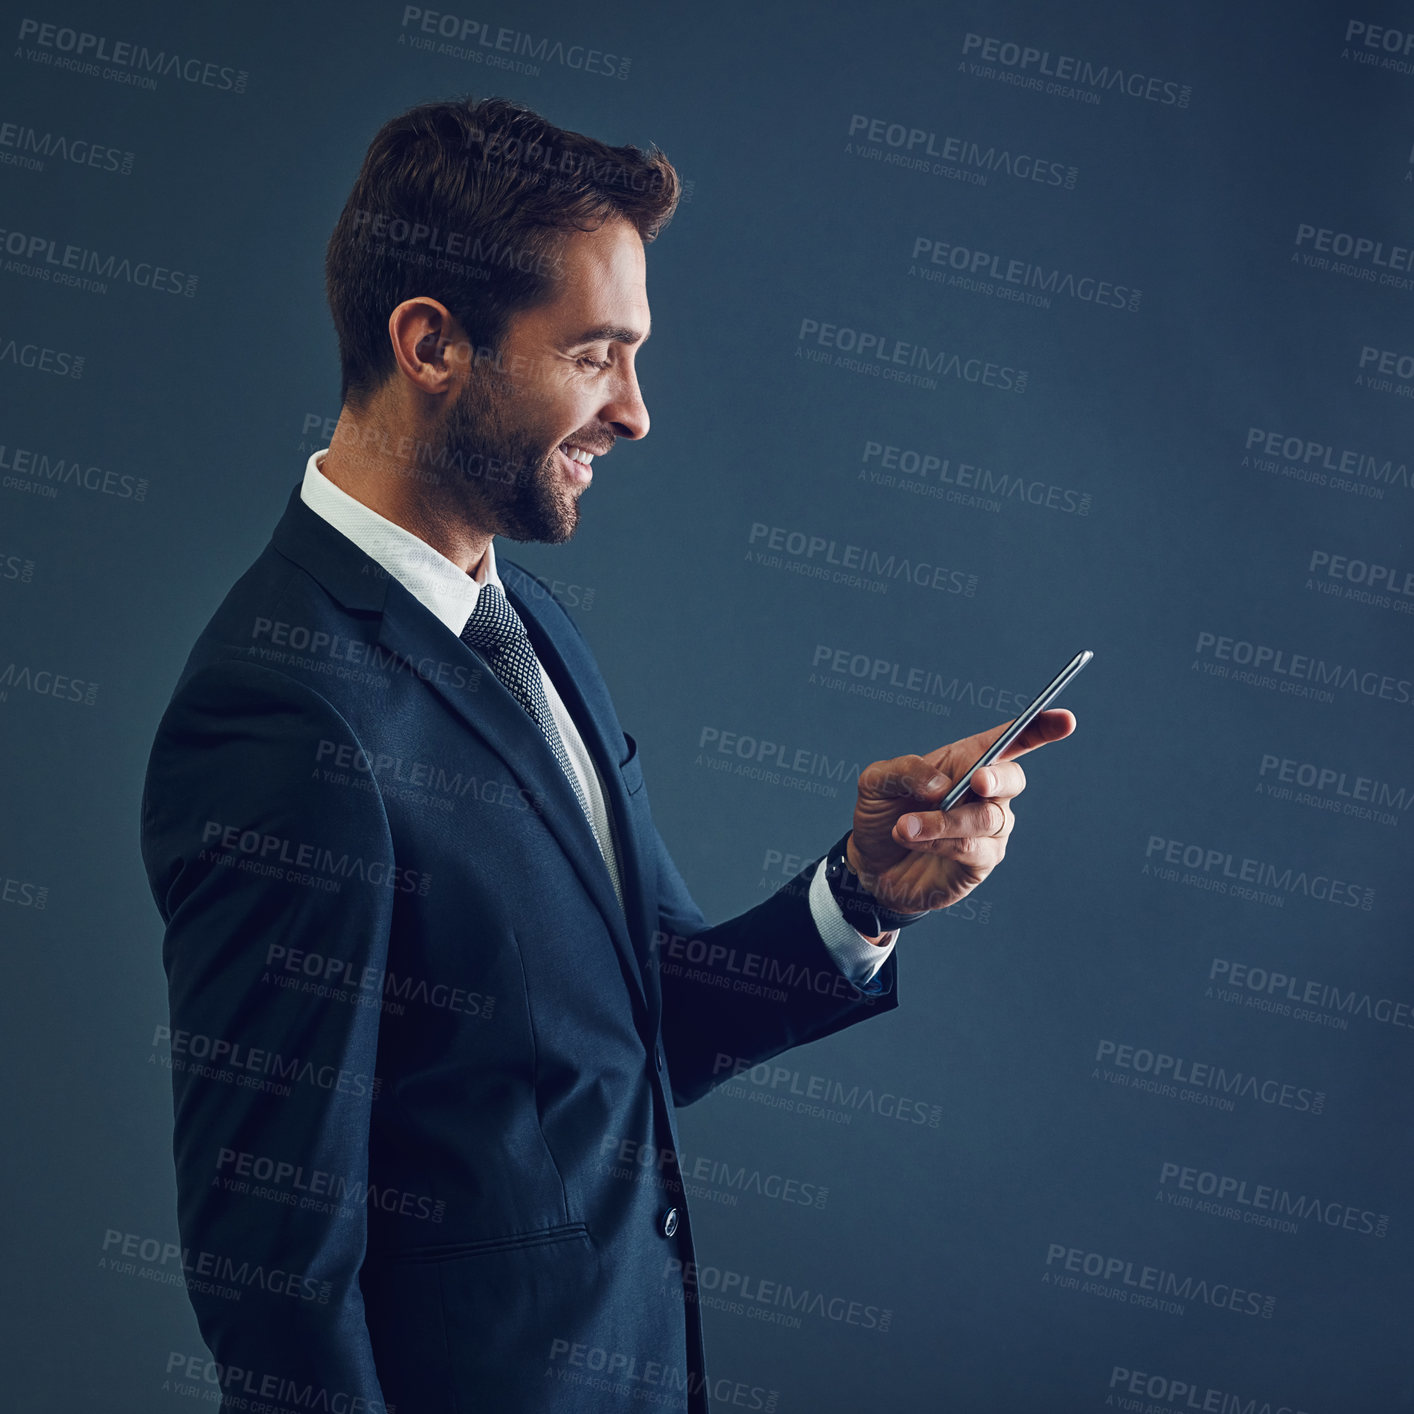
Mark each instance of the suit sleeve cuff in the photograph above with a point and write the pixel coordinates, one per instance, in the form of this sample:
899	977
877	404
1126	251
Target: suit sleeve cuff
854	954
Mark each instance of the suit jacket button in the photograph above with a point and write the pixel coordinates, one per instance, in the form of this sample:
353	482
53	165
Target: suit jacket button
658	1058
670	1222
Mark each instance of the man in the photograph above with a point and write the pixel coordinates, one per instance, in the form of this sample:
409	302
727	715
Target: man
415	901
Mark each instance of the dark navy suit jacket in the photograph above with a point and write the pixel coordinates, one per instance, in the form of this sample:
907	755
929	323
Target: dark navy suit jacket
421	1057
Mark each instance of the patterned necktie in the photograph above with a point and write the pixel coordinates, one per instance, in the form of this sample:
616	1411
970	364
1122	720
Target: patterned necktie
496	632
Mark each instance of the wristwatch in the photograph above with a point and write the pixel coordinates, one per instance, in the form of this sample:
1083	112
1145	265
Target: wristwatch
860	908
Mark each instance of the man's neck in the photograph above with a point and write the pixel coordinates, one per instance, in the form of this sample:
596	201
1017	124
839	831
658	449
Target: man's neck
357	464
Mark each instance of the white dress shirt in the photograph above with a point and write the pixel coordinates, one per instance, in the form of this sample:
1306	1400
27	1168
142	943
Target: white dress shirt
449	593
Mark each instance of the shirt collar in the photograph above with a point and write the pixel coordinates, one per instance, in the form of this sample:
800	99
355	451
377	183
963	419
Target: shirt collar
445	589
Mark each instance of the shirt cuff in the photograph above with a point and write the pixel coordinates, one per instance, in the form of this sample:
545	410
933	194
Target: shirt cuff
855	955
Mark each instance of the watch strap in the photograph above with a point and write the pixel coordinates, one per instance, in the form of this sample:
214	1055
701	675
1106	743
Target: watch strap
860	908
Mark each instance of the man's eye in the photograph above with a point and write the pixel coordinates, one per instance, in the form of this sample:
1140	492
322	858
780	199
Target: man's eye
588	362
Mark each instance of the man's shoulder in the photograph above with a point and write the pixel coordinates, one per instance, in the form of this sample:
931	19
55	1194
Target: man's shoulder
305	597
279	621
272	602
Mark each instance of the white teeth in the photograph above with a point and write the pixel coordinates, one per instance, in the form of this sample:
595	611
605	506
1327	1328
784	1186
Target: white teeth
578	454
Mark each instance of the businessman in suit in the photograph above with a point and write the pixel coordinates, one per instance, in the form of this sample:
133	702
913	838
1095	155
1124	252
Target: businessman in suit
415	902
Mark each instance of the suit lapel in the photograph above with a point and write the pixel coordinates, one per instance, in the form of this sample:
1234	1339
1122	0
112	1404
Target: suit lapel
410	631
581	687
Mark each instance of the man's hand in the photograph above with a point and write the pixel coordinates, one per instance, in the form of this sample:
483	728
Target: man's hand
912	856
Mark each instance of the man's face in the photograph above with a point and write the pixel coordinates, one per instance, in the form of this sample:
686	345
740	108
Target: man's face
565	390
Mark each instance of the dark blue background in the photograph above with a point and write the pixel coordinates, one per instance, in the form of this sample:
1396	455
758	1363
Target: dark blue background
215	399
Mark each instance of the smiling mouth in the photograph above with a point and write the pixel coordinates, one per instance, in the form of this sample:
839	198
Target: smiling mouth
577	463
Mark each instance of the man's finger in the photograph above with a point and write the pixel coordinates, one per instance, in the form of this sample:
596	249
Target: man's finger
984	820
1050	725
1053	725
903	776
1002	780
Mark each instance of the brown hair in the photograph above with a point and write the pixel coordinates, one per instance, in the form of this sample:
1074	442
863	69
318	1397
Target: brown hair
466	202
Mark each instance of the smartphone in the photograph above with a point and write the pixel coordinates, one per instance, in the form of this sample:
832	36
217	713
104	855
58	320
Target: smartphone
1048	694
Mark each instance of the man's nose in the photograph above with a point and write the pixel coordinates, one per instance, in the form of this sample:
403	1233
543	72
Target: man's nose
627	411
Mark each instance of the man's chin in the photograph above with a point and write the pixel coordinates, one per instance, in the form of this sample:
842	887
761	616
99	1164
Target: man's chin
549	528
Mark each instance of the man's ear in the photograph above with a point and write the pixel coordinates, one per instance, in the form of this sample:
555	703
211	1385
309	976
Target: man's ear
423	359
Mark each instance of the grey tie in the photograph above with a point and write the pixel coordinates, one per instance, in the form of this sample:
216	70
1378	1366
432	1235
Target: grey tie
496	632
